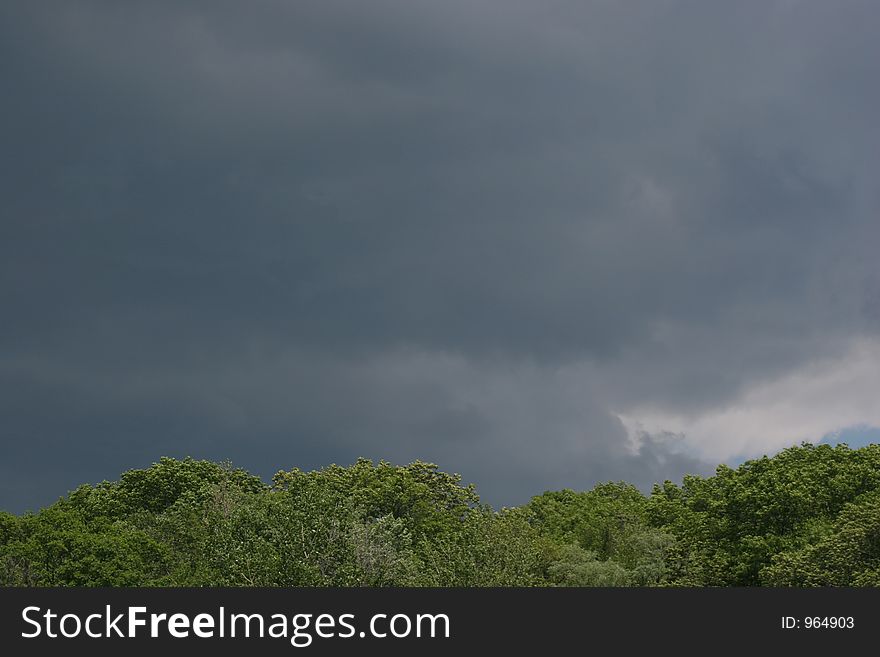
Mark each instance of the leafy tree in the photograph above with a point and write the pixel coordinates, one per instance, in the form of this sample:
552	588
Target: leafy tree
809	516
575	566
730	526
849	555
610	524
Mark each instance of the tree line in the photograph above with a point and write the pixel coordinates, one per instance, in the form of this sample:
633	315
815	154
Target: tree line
808	516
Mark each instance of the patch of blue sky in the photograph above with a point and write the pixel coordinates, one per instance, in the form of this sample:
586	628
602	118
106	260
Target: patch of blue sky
857	435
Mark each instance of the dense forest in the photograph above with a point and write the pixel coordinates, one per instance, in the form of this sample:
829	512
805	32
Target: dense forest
809	516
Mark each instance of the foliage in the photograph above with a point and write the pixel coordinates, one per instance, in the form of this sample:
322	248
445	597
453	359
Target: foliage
809	516
731	526
849	555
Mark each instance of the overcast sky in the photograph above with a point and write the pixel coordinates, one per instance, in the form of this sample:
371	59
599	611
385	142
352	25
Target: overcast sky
542	244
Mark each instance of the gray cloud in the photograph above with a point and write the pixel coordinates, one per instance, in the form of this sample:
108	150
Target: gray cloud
472	233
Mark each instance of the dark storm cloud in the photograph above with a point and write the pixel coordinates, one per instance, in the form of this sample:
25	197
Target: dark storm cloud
293	233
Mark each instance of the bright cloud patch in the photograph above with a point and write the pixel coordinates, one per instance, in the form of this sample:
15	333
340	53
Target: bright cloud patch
811	403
